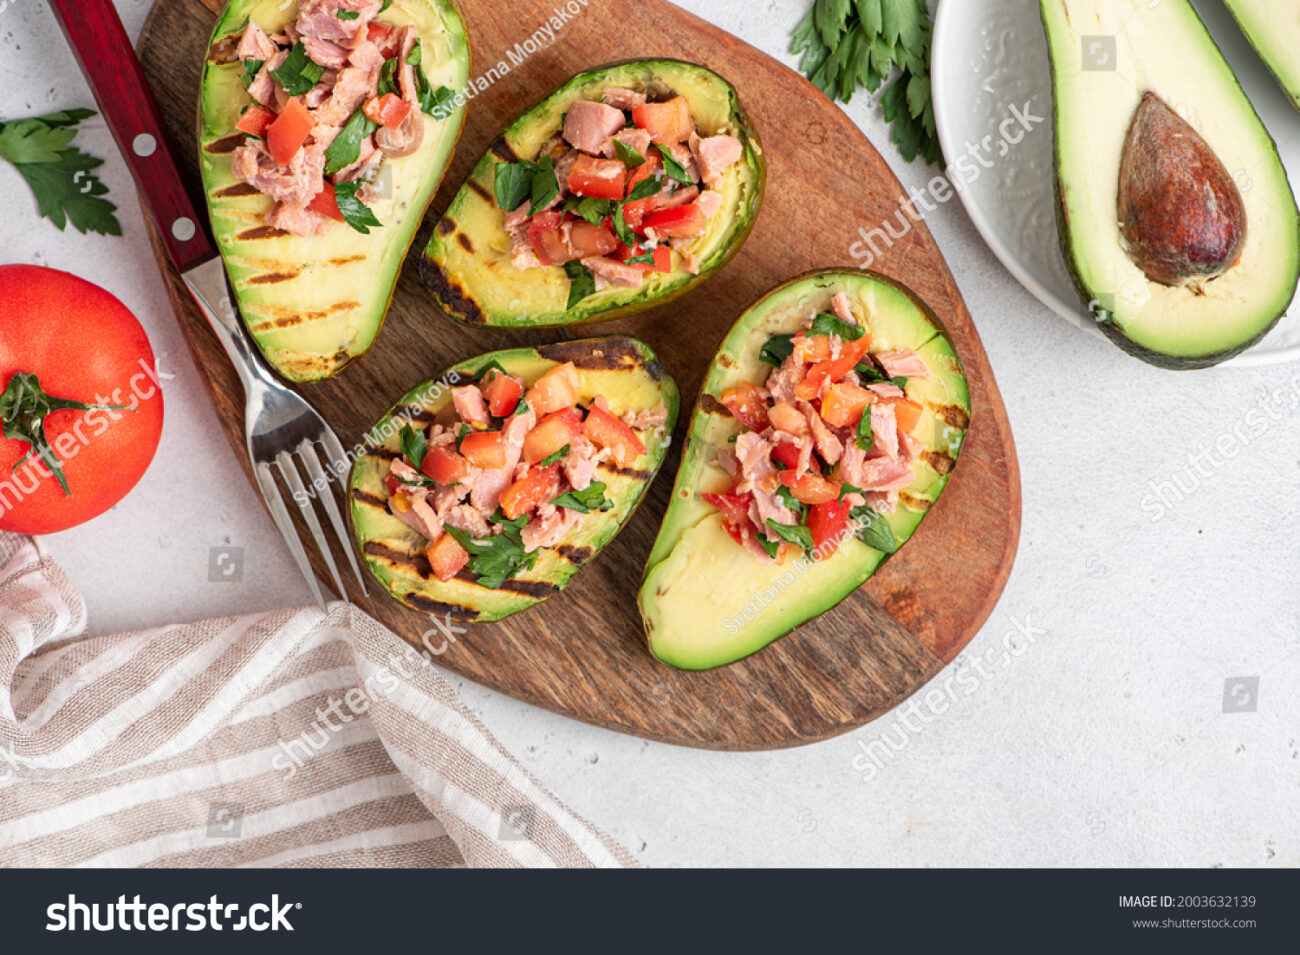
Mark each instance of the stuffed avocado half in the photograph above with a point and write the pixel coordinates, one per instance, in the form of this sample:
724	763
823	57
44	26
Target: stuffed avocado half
482	492
324	129
827	426
621	189
1175	215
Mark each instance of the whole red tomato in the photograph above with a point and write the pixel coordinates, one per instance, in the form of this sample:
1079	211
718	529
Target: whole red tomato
68	351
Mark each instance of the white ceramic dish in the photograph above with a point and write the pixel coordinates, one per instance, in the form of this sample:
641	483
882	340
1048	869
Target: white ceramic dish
990	58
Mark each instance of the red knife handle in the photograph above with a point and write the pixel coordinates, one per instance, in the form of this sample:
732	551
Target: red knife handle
104	51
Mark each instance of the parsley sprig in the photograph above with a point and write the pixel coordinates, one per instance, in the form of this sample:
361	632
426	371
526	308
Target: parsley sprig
844	44
59	173
495	559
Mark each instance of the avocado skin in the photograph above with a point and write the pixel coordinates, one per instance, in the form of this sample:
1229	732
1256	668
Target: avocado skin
394	553
461	305
303	336
955	415
1105	322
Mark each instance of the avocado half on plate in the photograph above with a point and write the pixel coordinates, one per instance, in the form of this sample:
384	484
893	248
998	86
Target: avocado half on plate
314	302
1175	214
829	423
1273	28
483	520
622	188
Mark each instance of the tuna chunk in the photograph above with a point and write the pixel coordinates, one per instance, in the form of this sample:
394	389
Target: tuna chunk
840	306
403	140
828	445
351	88
905	363
263	87
781	383
254	44
548	527
647	419
319	18
632	137
421	518
295	184
326	52
588	125
886	389
522	254
884	430
581	463
714	154
709	203
490	485
620	98
471	407
406	73
468	520
319	93
613	272
297	220
366	56
873	474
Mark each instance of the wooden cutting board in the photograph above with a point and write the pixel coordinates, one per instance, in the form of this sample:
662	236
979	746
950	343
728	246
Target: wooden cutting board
582	653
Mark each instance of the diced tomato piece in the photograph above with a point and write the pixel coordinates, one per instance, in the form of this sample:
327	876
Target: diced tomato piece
325	203
786	417
745	403
555	390
598	178
606	431
787	454
445	467
668	122
810	487
399	498
906	412
827	522
502	393
446	557
832	369
385	37
255	121
586	239
536	487
809	350
485	449
663	258
388	110
544	234
285	136
679	222
734	507
551	434
844	403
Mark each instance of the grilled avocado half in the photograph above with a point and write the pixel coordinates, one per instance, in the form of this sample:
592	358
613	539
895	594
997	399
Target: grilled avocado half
705	600
467	261
622	370
315	304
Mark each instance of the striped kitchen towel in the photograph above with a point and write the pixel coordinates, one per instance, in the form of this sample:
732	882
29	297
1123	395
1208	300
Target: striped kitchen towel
291	738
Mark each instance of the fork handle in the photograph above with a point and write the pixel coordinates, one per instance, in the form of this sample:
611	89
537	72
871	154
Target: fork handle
104	52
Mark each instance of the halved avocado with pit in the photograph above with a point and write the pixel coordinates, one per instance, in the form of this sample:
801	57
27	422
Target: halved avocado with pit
622	370
314	304
467	261
705	600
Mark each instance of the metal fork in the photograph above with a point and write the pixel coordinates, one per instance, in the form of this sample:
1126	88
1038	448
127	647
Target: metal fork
282	432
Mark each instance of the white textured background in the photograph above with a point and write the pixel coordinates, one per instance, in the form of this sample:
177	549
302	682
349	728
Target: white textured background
1103	742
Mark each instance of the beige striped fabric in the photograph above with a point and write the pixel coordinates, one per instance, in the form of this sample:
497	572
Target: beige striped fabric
291	738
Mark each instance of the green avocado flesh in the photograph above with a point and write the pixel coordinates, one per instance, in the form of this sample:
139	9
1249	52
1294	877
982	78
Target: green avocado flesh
467	261
705	600
1163	49
623	370
314	304
1273	29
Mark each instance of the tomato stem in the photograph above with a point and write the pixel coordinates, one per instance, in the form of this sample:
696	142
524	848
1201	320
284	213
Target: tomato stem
23	407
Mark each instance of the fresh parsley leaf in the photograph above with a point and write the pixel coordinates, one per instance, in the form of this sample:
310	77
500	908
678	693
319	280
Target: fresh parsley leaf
868	373
385	5
388	77
591	499
787	498
865	438
647	257
512	181
416	55
825	324
355	212
622	229
846	488
414	445
559	455
499	557
899	382
544	186
631	158
771	546
777	350
673	169
251	68
59	174
346	147
432	101
873	529
298	73
492	364
350	15
462	431
581	282
643	189
522	407
797	535
594	211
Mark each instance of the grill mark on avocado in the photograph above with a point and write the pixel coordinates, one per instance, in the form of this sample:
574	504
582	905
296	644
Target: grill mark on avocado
954	415
711	405
501	149
451	295
365	497
288	318
577	556
345	259
538	589
446	225
478	189
272	278
634	473
237	189
261	232
427	604
373	451
726	361
615	354
401	558
940	461
465	243
224	145
223	50
914	502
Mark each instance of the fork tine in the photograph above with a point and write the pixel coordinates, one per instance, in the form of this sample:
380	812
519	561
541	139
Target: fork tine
299	493
275	503
307	451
